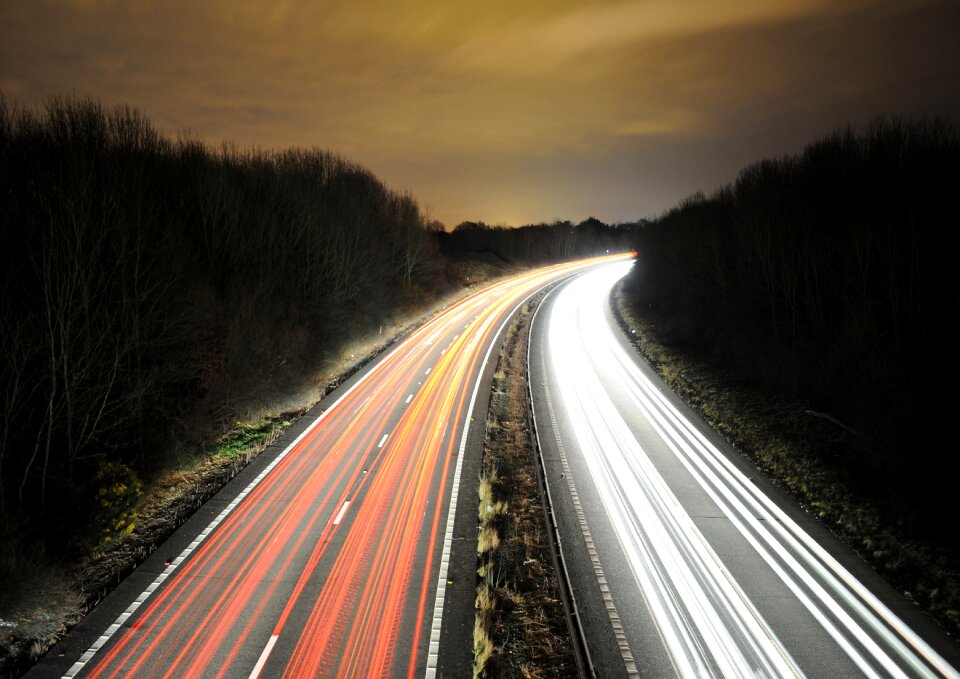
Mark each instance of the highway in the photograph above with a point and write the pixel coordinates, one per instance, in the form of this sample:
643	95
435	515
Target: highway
684	560
332	556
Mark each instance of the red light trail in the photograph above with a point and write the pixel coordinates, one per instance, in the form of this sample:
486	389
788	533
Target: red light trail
330	564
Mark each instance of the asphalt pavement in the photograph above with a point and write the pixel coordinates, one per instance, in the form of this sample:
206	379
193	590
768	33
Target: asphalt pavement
342	550
685	560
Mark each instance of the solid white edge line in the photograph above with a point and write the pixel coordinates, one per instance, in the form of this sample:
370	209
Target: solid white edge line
111	630
433	652
812	558
258	668
613	615
692	645
343	510
833	577
105	637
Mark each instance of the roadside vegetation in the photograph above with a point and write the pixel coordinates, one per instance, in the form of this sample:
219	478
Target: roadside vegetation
809	311
536	244
520	630
166	308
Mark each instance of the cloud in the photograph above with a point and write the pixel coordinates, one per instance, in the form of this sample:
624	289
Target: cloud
527	45
498	103
668	123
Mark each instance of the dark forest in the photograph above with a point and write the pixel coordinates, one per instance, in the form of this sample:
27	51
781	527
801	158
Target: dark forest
830	276
142	277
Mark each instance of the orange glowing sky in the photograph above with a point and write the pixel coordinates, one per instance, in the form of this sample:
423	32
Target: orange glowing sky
506	112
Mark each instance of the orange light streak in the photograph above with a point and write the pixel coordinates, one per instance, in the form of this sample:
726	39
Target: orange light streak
259	569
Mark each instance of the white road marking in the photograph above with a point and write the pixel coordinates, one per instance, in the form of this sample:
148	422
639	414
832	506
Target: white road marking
433	654
690	586
409	398
709	627
258	668
612	614
343	510
382	441
110	631
361	405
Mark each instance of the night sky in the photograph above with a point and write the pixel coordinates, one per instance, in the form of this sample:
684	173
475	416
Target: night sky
506	112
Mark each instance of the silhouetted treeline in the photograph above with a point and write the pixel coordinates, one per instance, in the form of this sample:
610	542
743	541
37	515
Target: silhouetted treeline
537	243
137	272
832	274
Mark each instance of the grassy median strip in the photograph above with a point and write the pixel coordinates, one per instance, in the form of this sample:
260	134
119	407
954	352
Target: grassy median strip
519	629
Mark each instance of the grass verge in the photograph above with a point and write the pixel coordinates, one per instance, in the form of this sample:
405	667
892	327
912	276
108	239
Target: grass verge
251	436
519	629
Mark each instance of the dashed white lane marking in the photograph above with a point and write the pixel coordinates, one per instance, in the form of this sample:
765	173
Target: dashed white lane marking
409	398
258	668
382	441
361	405
433	652
428	371
343	510
110	631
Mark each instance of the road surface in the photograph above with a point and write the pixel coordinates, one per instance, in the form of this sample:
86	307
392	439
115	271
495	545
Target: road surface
333	556
683	561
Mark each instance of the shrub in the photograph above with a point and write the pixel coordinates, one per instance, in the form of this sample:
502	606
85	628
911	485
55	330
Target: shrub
118	490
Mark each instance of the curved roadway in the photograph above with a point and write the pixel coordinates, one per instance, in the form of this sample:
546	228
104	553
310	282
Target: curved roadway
683	564
335	558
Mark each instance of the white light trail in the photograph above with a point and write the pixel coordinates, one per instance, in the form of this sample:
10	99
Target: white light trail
708	624
706	621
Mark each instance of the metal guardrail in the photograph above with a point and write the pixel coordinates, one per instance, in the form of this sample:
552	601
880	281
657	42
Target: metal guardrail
581	652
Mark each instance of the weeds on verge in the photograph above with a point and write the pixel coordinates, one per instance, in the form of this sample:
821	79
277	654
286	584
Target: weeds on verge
248	435
489	510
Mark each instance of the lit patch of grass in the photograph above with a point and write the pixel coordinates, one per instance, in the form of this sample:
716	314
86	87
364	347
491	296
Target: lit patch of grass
488	540
488	508
489	511
486	496
485	605
486	599
249	435
482	647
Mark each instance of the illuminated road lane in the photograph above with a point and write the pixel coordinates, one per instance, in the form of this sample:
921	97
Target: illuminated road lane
332	561
682	565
